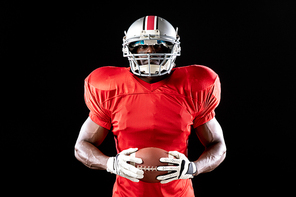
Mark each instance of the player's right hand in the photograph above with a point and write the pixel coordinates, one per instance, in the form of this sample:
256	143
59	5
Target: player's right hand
119	165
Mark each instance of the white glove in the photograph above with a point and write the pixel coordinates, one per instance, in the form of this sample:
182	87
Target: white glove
118	165
182	168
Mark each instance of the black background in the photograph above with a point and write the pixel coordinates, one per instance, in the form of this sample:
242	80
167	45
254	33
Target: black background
48	48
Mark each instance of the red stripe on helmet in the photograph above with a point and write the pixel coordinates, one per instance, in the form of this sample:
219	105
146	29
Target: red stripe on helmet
150	23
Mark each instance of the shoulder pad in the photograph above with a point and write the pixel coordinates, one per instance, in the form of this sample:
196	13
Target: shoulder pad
196	76
106	78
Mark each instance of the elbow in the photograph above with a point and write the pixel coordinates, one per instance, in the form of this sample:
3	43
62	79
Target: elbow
76	151
223	153
220	147
223	150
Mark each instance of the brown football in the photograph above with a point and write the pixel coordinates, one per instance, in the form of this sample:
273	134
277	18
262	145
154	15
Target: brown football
150	157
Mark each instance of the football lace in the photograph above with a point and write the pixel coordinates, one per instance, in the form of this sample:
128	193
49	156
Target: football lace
147	168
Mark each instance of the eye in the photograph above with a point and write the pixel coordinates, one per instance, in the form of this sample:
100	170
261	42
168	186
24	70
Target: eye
143	46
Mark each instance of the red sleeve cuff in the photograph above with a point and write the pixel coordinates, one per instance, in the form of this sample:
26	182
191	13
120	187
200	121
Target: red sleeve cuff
203	120
97	120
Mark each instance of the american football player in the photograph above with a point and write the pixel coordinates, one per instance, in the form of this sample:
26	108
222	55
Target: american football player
152	103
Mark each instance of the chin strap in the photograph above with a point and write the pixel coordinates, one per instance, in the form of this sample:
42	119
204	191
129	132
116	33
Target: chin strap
154	68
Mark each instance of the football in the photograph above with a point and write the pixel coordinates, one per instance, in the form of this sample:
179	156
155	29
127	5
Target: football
150	157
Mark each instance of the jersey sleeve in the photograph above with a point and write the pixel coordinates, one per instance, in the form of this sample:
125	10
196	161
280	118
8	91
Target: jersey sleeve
93	100
207	101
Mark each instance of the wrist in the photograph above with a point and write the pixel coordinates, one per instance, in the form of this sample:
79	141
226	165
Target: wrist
110	165
192	169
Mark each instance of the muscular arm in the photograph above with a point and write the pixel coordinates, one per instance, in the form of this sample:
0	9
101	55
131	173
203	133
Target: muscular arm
90	137
211	136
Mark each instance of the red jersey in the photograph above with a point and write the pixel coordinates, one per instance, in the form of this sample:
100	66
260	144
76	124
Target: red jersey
152	115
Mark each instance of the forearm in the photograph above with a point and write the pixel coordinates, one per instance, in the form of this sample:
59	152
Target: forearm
211	158
90	156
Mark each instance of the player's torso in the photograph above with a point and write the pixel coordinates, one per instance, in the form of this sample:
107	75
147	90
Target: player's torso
151	115
151	119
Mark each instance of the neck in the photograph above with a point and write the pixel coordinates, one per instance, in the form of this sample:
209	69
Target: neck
153	79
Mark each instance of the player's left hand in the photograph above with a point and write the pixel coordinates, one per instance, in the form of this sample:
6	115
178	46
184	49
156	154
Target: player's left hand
181	168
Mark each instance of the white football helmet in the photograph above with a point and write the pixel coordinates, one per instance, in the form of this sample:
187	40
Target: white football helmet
151	30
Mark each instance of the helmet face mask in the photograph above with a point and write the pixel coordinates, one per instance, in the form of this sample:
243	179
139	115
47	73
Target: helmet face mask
151	30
